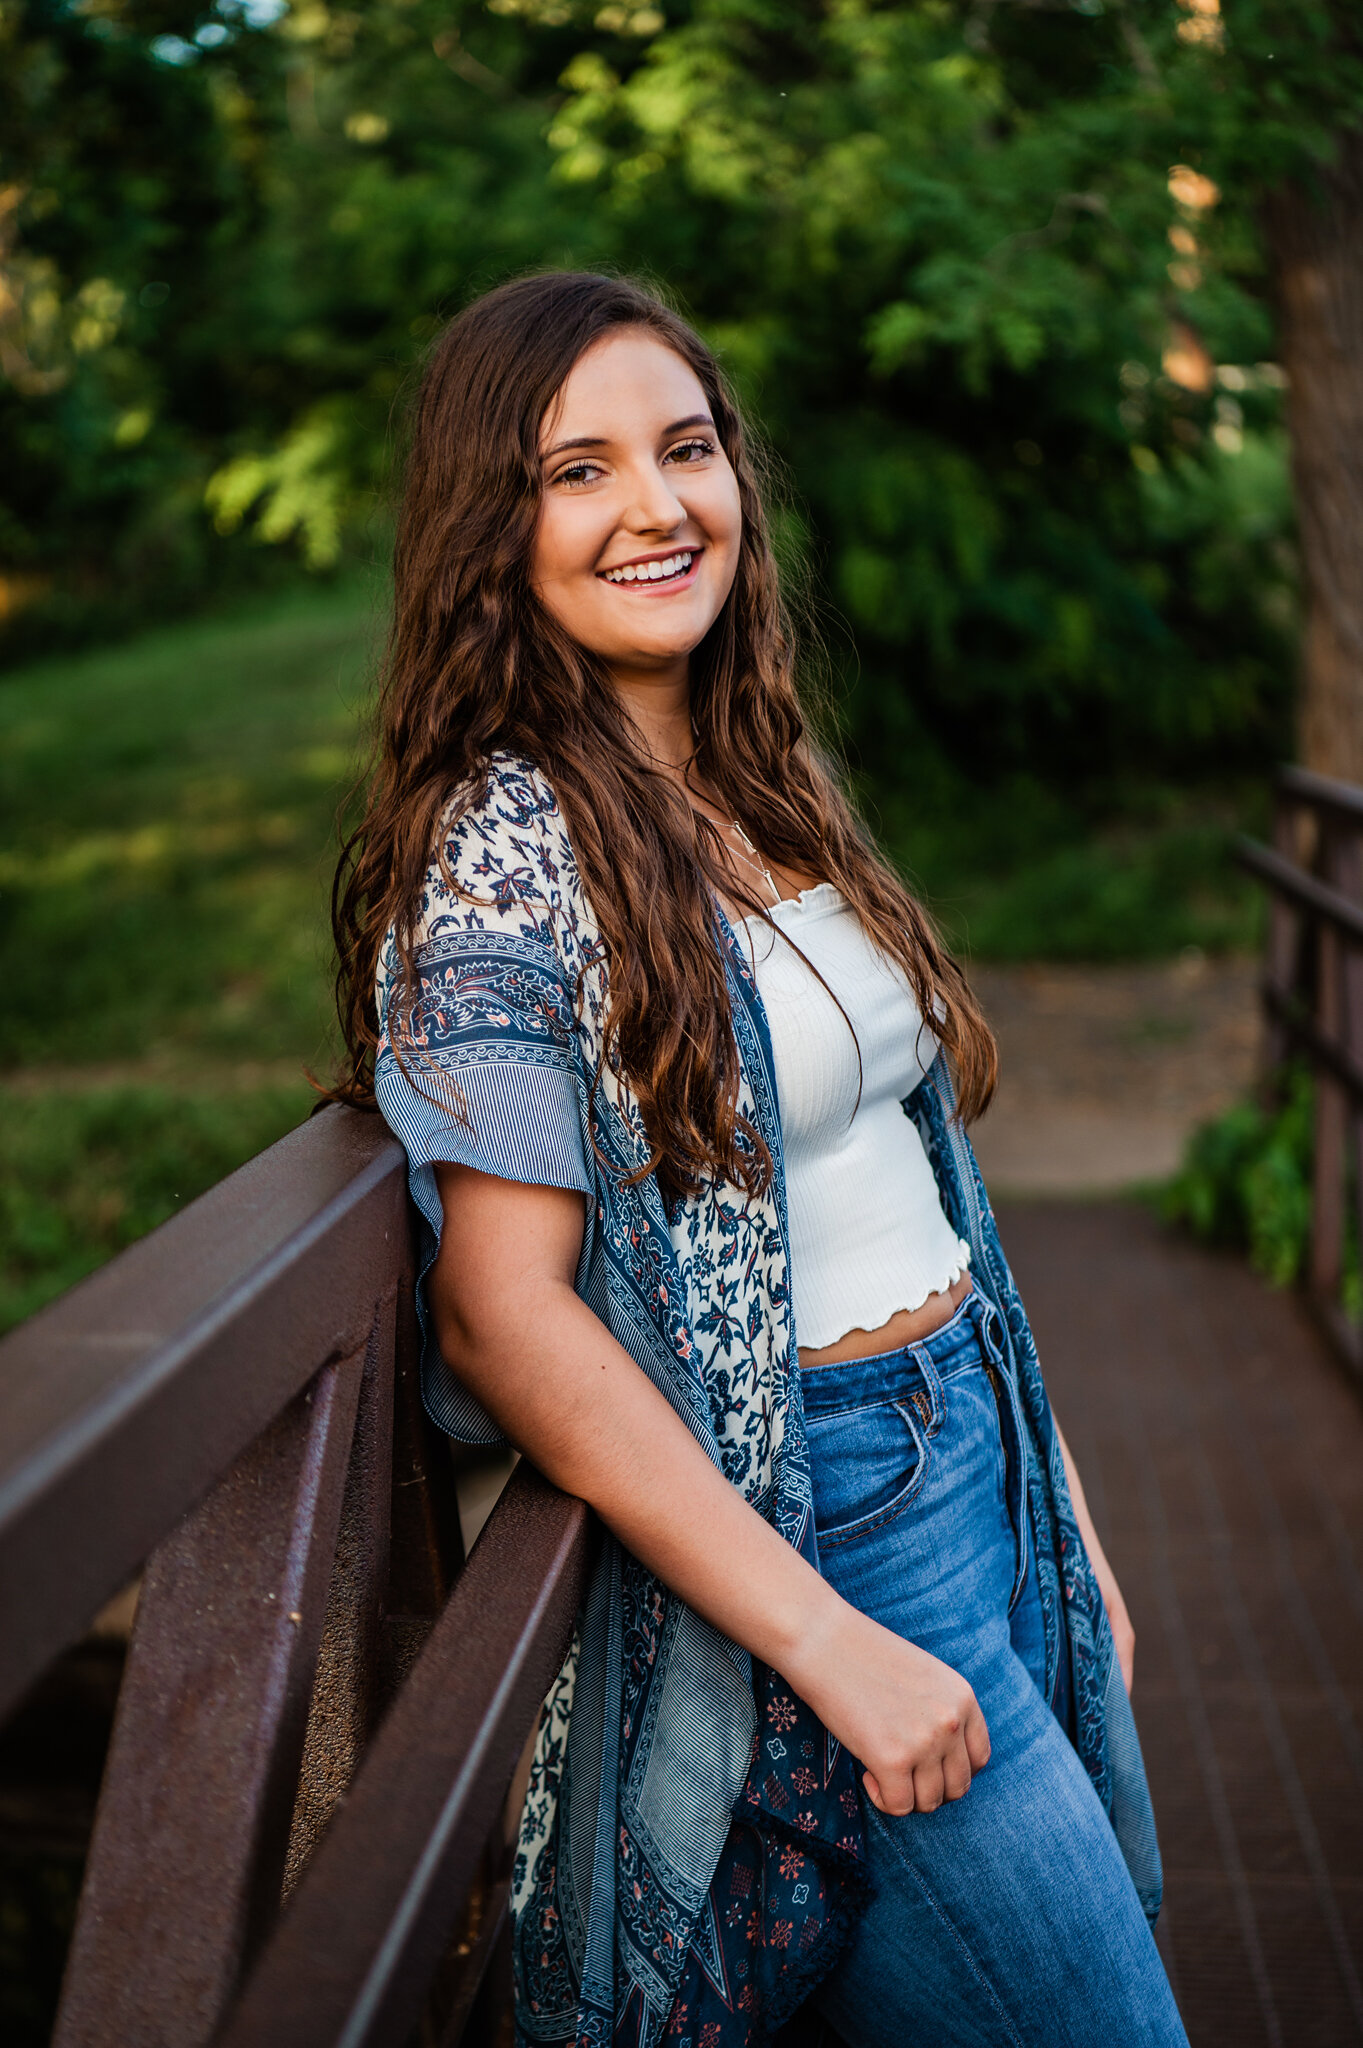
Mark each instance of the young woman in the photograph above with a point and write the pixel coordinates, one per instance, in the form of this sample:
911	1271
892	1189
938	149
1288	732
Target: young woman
676	1060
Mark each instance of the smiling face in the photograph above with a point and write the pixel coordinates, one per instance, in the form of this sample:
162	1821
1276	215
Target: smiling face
640	524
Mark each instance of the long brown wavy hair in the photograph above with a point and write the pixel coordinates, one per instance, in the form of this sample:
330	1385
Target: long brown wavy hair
474	664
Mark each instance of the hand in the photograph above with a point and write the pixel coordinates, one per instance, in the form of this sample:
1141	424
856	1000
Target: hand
914	1723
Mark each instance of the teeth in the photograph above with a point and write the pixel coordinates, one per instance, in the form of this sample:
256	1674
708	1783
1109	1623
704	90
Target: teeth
651	572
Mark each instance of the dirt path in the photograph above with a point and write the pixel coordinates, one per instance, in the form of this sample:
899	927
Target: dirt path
1105	1070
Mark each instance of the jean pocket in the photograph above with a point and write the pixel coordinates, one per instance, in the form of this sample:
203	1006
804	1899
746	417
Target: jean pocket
867	1466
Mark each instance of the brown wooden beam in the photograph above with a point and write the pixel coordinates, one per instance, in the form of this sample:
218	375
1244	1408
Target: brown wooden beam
1316	898
1305	1032
188	1850
365	1930
125	1400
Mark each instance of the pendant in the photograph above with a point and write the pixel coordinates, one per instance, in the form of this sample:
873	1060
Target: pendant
756	861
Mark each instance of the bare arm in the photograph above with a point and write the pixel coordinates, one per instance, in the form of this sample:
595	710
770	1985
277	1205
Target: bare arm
1123	1634
562	1388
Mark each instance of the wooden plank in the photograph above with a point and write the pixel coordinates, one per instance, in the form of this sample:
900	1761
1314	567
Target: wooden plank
122	1402
188	1850
1323	793
364	1933
1303	1031
1329	1111
1221	1447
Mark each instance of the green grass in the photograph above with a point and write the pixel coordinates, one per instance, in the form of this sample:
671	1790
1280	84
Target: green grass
82	1175
168	838
1016	873
169	832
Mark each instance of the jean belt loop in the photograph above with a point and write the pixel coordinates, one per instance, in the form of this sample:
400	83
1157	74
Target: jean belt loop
989	1327
922	1357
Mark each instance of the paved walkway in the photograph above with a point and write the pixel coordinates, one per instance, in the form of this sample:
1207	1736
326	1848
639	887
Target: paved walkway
1222	1450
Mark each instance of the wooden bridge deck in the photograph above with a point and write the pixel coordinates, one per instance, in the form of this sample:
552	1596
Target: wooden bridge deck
1222	1450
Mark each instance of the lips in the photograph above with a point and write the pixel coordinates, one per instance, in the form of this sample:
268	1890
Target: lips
662	569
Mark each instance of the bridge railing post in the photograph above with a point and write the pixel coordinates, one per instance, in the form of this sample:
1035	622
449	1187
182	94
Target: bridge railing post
302	1831
1313	1000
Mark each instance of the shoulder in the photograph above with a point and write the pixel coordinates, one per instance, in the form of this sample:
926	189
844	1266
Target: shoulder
501	856
500	879
515	796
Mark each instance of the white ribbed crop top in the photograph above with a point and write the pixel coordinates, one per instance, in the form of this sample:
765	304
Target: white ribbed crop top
867	1232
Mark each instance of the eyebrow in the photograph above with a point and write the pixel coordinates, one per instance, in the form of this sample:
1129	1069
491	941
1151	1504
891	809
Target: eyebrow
696	419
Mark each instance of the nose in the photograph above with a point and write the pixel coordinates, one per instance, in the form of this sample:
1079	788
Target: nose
654	506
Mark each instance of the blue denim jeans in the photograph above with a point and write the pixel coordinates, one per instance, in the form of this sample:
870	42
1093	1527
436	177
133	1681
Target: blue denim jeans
1006	1917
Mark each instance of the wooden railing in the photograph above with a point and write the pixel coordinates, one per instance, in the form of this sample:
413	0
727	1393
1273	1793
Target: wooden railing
301	1839
1313	997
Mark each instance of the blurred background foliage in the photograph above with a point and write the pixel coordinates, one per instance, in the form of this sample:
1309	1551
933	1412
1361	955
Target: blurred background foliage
1021	373
169	812
991	274
1021	376
1245	1181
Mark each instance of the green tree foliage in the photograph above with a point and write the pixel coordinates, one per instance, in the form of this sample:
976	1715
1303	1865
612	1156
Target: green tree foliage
940	256
1022	379
115	196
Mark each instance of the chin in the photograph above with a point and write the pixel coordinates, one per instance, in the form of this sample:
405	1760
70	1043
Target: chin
657	653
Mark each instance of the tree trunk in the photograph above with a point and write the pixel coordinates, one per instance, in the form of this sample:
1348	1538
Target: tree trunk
1316	236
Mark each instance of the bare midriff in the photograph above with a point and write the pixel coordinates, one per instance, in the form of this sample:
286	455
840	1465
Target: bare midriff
908	1326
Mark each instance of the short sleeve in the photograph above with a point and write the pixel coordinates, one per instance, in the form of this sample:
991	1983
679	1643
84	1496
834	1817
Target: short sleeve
479	1062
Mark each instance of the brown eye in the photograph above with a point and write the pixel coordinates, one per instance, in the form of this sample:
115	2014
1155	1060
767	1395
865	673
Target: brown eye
690	451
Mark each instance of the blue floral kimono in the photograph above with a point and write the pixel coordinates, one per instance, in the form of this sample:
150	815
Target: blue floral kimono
691	1854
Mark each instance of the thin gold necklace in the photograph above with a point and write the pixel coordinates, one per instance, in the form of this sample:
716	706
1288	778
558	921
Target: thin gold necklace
755	861
753	857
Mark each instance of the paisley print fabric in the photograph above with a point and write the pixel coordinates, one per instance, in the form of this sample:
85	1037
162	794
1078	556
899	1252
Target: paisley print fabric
691	1855
775	1899
646	1740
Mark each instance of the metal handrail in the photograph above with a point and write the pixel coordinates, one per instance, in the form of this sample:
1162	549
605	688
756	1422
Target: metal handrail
353	1955
123	1401
1321	792
1301	888
321	1698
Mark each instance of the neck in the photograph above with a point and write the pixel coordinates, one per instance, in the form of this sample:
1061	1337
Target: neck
660	705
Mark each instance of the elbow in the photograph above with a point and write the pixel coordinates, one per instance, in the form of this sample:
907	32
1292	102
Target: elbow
494	1336
462	1342
482	1333
459	1316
